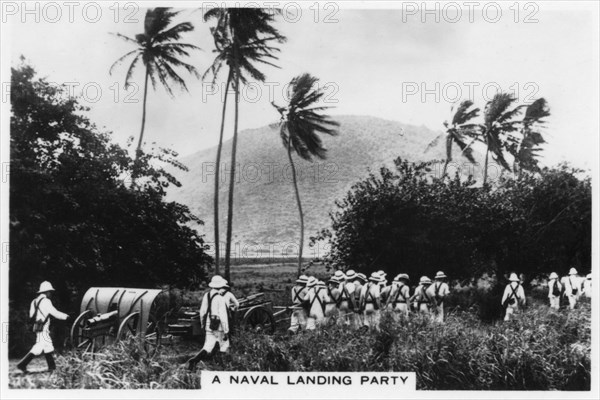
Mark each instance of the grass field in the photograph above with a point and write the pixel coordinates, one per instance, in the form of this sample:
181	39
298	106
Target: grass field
540	350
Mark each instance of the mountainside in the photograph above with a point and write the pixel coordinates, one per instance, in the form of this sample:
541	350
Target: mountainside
265	214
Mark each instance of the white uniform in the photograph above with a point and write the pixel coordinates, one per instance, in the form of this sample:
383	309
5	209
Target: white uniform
422	299
554	292
572	285
437	292
513	291
317	298
43	341
298	320
346	309
369	296
331	307
218	308
587	288
398	299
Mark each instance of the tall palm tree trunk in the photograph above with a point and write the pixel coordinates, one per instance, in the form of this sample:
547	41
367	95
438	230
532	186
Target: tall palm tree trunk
485	167
301	214
140	141
217	176
232	180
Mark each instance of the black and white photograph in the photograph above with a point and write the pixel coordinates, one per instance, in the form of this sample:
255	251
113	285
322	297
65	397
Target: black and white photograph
299	199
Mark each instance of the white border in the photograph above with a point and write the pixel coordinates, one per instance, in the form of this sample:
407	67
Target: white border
6	393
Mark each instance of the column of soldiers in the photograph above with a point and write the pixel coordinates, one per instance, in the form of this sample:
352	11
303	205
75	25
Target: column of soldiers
570	287
353	300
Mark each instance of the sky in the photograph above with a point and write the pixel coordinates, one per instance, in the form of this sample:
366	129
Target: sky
382	61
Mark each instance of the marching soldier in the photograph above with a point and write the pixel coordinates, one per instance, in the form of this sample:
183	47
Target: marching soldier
572	284
437	292
315	303
40	310
587	286
371	302
554	291
347	299
214	320
359	282
384	288
299	292
513	297
420	297
232	305
333	296
399	294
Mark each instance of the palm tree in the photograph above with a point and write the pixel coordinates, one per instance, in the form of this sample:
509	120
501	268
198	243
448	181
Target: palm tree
524	151
498	121
160	51
457	131
242	37
299	128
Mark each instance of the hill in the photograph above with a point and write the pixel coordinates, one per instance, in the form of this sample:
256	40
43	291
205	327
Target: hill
266	217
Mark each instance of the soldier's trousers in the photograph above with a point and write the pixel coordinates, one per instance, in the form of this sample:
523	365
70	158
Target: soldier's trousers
555	302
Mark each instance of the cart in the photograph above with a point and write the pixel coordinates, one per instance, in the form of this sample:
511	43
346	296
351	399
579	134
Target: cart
254	313
108	315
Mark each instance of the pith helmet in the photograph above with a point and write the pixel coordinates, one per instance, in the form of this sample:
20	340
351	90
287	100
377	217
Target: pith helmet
440	275
351	274
302	279
362	277
572	271
339	275
514	278
45	287
553	275
375	277
588	276
217	282
402	277
425	280
312	281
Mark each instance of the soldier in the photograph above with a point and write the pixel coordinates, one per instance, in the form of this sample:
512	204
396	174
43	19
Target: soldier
299	292
40	310
572	284
420	298
514	296
347	299
554	291
399	294
214	320
437	292
315	303
359	282
371	302
333	294
232	305
384	288
587	286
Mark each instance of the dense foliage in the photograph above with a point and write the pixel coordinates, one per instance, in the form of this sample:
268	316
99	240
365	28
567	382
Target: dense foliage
407	221
541	350
75	219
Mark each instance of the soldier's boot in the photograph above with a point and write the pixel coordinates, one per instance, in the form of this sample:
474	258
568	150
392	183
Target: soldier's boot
193	362
50	361
22	365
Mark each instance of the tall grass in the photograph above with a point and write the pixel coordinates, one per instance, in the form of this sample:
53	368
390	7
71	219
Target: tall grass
541	349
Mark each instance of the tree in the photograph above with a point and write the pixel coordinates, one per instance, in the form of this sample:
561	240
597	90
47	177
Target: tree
74	220
525	148
160	51
242	38
456	132
498	122
299	128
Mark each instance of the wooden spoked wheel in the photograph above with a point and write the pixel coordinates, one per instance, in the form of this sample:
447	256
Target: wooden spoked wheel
259	319
151	336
